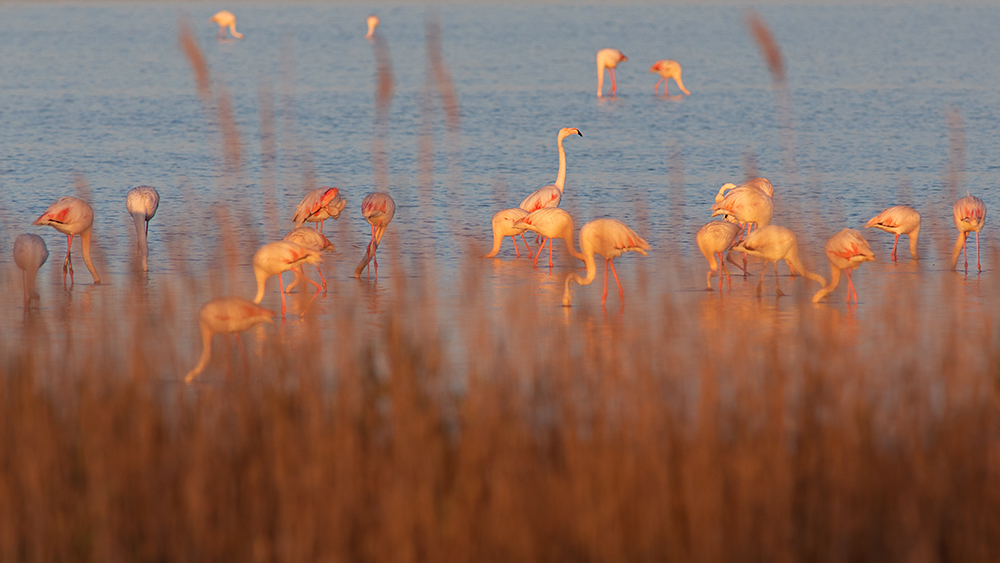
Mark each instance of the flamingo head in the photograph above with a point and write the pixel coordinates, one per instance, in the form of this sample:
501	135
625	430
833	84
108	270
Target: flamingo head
567	131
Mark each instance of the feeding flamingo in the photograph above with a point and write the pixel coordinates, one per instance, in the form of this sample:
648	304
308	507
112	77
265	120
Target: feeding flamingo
668	69
970	215
141	203
749	204
30	253
504	225
318	206
610	238
715	238
551	195
899	220
378	209
551	223
773	243
277	257
761	184
72	216
312	239
846	250
225	19
225	315
372	24
608	59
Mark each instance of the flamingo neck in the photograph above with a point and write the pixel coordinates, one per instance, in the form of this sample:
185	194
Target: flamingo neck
793	259
573	252
828	289
140	233
497	241
206	354
561	177
600	79
588	259
261	280
959	244
85	243
914	235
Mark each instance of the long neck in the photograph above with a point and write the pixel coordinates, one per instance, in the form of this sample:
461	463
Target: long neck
206	354
261	279
569	246
588	259
793	259
834	280
959	244
913	242
497	240
85	242
369	254
600	79
140	233
561	177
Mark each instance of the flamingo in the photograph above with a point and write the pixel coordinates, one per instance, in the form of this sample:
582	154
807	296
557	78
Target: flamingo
141	203
610	238
846	250
749	204
970	215
378	209
72	216
225	19
551	195
761	184
372	24
668	69
226	315
276	257
773	243
608	59
504	225
30	253
551	223
318	206
309	238
899	220
716	237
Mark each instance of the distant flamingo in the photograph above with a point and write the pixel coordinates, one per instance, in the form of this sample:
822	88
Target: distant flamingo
970	215
225	19
30	253
551	195
899	220
372	24
846	250
608	59
277	257
773	243
318	206
378	209
72	216
761	184
551	223
610	238
141	203
715	238
504	225
312	239
668	69
225	315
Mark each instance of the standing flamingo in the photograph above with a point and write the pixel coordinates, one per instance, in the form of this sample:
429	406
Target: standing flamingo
551	195
372	24
141	203
30	253
378	209
608	59
846	250
610	238
899	220
773	243
761	184
72	216
225	19
715	238
551	223
312	239
504	225
318	206
668	69
970	215
277	257
225	315
749	204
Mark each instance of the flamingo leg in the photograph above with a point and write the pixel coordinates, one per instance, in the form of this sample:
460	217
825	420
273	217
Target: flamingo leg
281	283
538	252
68	263
978	267
776	281
614	83
526	245
657	86
850	287
965	251
621	292
316	285
322	278
604	297
550	252
726	270
760	284
321	226
893	255
516	251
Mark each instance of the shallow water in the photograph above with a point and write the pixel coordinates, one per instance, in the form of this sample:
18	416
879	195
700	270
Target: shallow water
104	90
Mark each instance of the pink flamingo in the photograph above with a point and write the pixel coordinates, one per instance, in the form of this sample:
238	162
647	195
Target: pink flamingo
378	209
504	225
551	223
846	250
72	216
773	243
610	238
30	253
608	59
225	315
749	204
225	19
899	220
277	257
715	238
312	239
318	206
372	24
761	184
970	215
141	203
551	195
668	69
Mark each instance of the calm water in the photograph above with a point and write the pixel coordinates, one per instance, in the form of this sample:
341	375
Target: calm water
105	90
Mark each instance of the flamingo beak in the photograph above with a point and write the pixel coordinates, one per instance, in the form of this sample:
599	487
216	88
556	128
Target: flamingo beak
578	132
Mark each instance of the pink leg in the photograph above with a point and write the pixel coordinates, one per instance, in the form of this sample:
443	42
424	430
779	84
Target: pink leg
978	267
316	285
604	297
621	292
281	284
893	255
538	252
322	278
526	245
656	86
516	251
321	226
614	83
550	253
68	263
965	253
